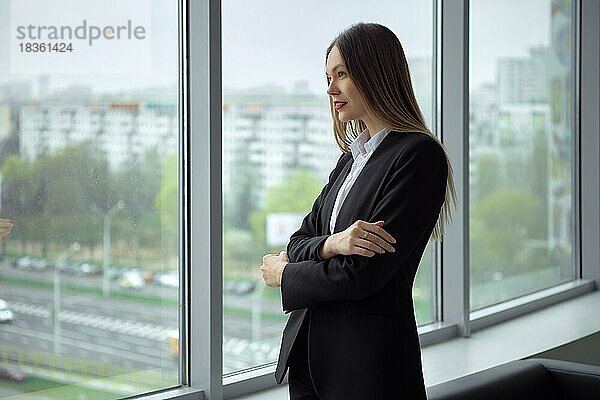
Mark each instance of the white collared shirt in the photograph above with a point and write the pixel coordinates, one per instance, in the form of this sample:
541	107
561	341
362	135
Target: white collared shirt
362	148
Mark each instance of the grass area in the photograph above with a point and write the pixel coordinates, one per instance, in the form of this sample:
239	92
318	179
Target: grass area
31	384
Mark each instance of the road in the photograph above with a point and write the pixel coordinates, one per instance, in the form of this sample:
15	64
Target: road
126	333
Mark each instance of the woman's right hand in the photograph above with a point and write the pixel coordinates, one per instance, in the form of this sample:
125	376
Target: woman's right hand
361	238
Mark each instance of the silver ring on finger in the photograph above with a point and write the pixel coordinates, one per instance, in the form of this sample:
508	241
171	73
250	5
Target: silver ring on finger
366	235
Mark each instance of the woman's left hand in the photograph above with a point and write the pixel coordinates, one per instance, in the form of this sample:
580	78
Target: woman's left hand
272	268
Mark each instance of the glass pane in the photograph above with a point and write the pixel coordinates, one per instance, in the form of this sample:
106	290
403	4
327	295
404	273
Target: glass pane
521	142
89	139
278	146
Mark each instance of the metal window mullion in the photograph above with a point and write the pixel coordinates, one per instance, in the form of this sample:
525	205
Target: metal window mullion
183	196
576	141
436	273
206	313
589	140
455	136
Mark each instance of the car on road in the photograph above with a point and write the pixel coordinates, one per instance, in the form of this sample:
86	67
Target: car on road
79	268
40	264
6	314
12	374
131	279
170	278
23	262
66	268
86	268
31	264
115	273
63	267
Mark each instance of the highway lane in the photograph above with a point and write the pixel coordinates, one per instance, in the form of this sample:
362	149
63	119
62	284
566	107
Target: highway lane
89	336
91	281
125	333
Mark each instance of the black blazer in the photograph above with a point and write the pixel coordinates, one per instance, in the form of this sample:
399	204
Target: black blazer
362	334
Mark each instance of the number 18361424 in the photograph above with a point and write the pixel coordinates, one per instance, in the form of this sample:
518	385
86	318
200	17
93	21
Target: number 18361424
36	47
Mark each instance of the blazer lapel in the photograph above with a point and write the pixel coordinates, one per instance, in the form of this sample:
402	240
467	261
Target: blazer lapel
364	181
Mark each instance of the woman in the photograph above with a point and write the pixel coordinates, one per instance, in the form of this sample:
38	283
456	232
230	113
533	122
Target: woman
348	271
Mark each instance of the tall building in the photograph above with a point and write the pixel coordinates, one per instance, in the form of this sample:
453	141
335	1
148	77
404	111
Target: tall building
272	136
523	79
123	130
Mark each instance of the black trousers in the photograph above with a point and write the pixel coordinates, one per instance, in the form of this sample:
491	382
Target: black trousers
299	380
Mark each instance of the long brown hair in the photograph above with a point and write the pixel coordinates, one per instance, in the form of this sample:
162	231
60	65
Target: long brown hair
377	65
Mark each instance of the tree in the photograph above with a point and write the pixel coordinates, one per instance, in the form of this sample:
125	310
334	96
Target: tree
17	193
295	194
539	183
499	224
67	183
241	201
167	204
138	184
489	175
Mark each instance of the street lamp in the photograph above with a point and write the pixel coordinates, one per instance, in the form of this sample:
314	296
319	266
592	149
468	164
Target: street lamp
106	240
74	248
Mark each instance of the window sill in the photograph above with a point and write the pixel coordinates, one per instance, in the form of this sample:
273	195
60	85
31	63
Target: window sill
546	328
181	393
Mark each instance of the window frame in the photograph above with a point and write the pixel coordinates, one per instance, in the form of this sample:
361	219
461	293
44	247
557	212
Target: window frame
589	143
581	283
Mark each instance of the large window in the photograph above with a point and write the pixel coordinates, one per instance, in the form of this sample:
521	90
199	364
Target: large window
521	133
89	139
278	147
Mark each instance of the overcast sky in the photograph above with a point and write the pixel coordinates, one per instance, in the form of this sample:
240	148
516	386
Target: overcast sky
283	41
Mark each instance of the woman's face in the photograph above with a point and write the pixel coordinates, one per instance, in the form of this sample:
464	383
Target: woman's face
343	92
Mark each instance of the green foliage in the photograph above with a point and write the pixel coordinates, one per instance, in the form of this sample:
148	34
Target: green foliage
167	203
499	224
507	210
489	176
17	193
240	200
296	193
50	200
138	183
67	182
